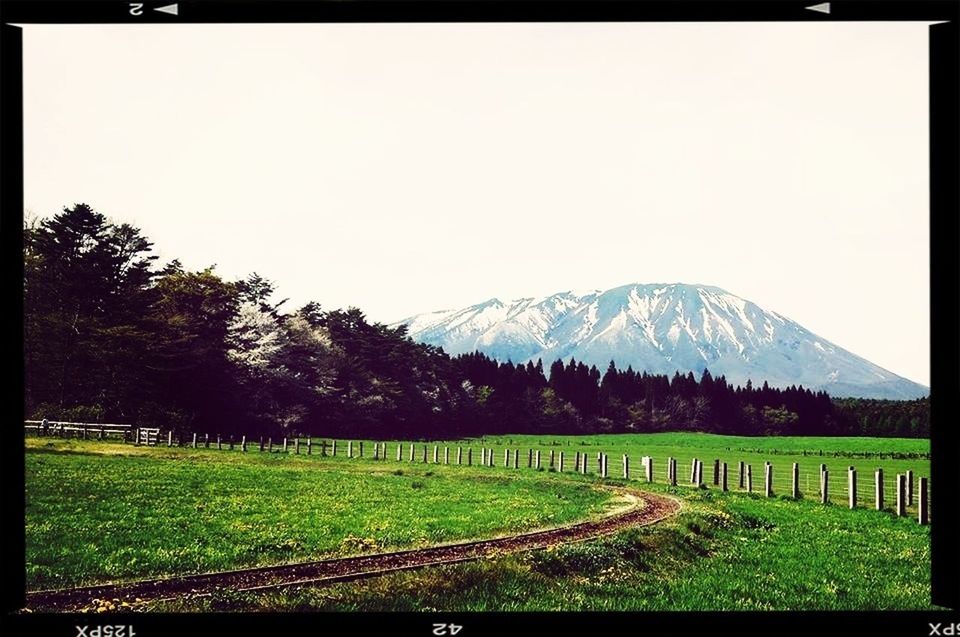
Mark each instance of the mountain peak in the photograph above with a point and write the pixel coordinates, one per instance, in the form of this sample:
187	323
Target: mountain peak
660	328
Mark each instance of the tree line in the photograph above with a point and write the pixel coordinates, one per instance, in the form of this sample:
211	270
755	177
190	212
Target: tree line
111	336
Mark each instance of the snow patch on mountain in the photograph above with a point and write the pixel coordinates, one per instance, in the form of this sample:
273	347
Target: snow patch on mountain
661	328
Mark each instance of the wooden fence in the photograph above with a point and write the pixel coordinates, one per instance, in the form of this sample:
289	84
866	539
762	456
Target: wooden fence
85	430
909	493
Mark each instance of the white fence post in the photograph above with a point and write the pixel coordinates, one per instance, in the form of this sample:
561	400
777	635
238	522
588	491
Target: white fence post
901	494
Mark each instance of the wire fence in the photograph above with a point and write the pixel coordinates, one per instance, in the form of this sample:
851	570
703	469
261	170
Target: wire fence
883	488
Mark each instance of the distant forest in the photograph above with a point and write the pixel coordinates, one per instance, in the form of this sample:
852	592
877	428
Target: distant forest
111	337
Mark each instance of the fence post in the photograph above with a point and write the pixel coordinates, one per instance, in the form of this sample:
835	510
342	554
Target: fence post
219	446
749	478
552	458
333	448
284	444
399	451
296	446
649	469
742	475
537	459
529	458
824	487
878	489
768	480
693	471
436	454
823	468
909	485
424	454
483	456
716	472
852	487
901	494
231	442
459	455
194	438
411	452
583	462
243	443
270	445
349	448
795	473
310	446
560	462
446	455
576	465
516	458
922	514
626	467
470	456
723	477
169	437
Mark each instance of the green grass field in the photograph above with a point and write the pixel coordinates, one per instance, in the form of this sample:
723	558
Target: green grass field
724	552
838	454
101	511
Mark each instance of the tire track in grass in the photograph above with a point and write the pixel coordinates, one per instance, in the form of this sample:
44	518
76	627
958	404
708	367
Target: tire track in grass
643	508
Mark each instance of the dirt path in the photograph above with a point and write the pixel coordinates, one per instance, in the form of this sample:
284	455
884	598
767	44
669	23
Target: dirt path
642	508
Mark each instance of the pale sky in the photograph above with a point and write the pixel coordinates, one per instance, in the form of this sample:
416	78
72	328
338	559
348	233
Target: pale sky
404	168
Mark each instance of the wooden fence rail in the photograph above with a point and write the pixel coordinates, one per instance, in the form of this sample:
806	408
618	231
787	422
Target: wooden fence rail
906	491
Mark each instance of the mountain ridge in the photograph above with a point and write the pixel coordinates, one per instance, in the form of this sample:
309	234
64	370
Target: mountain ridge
660	328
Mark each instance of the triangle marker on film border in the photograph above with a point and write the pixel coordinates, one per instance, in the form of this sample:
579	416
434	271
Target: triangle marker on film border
172	9
823	7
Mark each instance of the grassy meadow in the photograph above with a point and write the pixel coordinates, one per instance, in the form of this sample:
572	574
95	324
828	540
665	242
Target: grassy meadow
99	511
893	455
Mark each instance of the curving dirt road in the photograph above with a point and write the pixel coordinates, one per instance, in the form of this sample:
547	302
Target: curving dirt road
643	509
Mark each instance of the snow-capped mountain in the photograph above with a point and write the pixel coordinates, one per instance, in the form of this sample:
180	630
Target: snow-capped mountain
661	328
